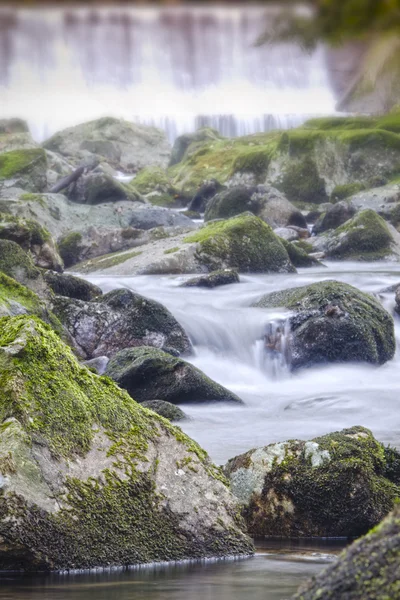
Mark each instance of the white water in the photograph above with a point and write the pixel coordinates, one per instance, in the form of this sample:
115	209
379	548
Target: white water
177	68
227	336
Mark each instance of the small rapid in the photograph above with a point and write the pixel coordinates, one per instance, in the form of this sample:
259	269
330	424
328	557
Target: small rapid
229	340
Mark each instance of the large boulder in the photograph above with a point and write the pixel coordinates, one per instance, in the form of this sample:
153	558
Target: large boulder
148	373
188	143
33	238
364	237
334	217
25	169
339	484
244	243
123	145
264	201
369	569
333	322
118	320
91	479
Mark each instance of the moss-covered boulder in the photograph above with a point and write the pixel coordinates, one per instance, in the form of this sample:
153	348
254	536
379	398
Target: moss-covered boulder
33	238
16	299
301	182
89	478
24	168
155	185
334	217
16	263
214	279
369	569
121	144
99	187
364	237
71	286
244	243
263	201
340	484
333	322
118	320
148	373
165	409
188	143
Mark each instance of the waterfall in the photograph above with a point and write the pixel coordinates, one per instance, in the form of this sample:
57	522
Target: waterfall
174	67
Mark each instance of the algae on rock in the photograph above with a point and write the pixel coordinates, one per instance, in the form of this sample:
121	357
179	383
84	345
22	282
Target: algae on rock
334	485
89	477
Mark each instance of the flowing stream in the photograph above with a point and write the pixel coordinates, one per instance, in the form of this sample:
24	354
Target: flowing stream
175	67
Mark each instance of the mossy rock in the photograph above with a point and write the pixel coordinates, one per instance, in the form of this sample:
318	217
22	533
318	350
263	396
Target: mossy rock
71	286
333	322
16	263
301	182
185	143
148	373
299	257
120	319
99	188
214	279
244	243
17	299
369	569
33	238
334	485
152	179
26	168
92	479
364	237
70	248
165	409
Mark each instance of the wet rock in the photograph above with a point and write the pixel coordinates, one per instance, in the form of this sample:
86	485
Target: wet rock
334	217
339	484
368	569
364	237
71	286
263	201
334	322
165	409
33	238
204	194
123	145
99	188
299	257
244	243
117	320
148	373
91	479
25	169
214	279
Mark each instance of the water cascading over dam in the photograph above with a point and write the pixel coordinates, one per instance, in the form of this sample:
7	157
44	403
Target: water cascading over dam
174	67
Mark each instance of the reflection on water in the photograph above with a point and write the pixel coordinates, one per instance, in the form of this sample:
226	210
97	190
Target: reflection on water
267	576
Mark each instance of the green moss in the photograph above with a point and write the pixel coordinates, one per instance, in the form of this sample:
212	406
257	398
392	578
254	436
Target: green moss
317	488
70	248
303	245
302	183
20	161
340	192
172	250
298	256
255	161
244	242
365	236
11	292
151	179
15	262
117	518
24	232
328	123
